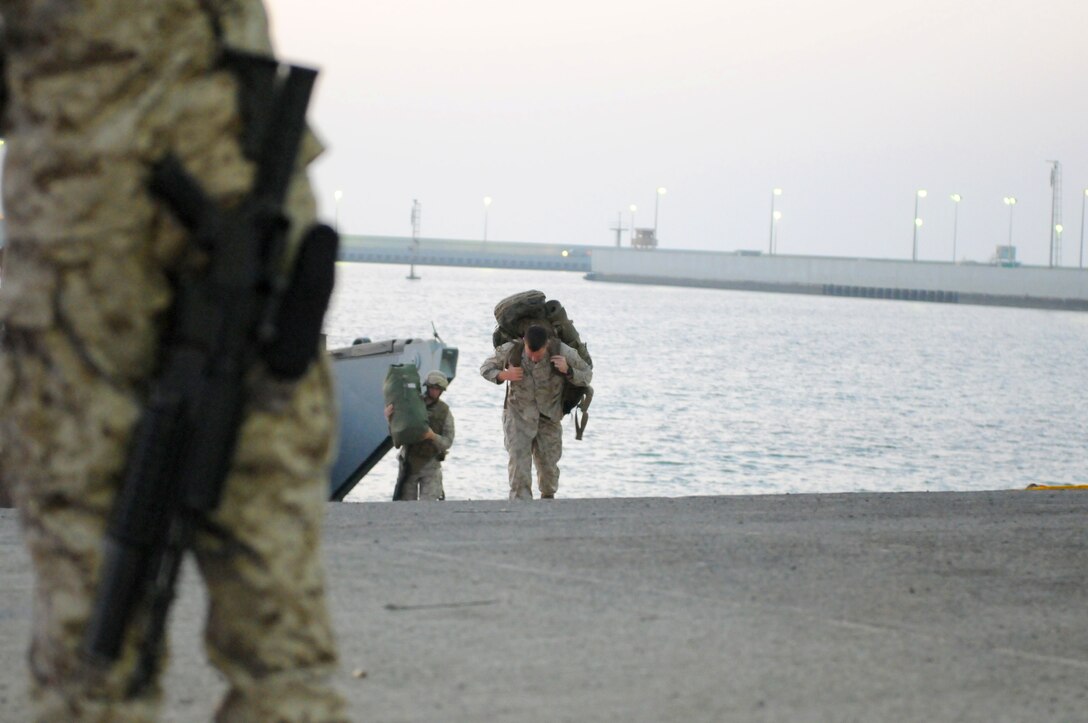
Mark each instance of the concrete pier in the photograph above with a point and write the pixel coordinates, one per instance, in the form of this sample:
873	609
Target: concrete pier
1064	288
933	281
852	607
453	252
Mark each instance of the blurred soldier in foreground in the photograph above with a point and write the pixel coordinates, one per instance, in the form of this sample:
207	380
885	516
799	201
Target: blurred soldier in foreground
98	93
420	476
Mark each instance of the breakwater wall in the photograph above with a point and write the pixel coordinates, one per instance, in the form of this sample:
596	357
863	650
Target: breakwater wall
454	252
932	281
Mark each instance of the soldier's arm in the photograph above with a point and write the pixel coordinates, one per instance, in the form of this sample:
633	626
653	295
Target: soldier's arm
579	373
443	439
490	369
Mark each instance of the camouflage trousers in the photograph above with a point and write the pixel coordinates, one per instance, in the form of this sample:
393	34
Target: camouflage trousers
532	441
424	483
267	628
98	92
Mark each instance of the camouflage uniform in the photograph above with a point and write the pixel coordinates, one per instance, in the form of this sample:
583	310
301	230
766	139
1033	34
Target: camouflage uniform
531	416
424	459
99	90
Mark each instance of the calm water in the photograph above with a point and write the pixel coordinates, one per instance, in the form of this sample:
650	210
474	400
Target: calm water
708	392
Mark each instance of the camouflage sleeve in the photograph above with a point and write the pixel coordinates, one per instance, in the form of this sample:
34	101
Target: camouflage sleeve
444	439
581	374
490	369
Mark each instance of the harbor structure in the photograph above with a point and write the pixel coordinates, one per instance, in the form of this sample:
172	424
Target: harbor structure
1003	281
1000	284
455	252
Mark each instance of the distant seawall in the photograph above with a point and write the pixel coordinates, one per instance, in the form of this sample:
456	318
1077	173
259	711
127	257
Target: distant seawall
1022	286
455	252
932	281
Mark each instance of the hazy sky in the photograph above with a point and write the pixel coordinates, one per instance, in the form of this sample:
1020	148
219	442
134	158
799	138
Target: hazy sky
566	113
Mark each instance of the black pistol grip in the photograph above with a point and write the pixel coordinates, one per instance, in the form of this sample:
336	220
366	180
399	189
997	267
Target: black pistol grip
172	183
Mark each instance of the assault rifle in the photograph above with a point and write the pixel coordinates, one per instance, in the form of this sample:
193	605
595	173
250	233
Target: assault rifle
245	305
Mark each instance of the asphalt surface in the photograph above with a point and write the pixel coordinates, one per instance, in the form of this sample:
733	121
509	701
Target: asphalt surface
855	607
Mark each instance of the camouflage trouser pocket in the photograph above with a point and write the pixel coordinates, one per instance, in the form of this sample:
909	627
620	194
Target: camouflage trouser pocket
291	427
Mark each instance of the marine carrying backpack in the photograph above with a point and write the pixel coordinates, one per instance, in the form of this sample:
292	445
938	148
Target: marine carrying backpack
518	312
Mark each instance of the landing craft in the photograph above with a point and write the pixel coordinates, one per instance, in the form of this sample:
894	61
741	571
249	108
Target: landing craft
359	371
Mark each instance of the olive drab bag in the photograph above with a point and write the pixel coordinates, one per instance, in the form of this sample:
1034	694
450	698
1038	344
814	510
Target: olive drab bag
402	390
518	312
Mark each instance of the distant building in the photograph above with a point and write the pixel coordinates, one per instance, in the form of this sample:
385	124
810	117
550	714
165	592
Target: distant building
644	238
1004	256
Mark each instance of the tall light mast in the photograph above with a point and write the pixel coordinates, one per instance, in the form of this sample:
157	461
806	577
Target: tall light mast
619	228
417	214
1055	213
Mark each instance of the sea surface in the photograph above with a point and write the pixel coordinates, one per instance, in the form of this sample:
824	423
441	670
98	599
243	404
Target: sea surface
715	392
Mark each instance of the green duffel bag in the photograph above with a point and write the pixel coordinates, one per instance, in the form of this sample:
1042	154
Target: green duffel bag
401	389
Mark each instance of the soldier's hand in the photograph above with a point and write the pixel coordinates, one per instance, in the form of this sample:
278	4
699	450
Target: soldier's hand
429	435
388	411
560	363
512	374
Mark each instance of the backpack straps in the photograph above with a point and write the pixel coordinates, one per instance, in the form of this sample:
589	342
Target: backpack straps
513	359
583	407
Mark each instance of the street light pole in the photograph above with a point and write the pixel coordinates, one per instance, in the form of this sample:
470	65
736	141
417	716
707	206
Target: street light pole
775	218
487	205
337	195
770	240
660	192
917	224
1010	201
417	218
1080	264
633	208
956	198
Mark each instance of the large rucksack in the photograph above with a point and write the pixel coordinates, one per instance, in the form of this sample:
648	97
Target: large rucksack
518	312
